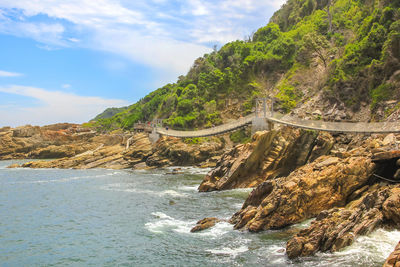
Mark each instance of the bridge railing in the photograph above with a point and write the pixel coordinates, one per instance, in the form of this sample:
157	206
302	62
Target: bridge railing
340	127
220	129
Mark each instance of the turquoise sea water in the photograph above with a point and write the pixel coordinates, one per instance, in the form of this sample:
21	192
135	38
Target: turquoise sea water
51	217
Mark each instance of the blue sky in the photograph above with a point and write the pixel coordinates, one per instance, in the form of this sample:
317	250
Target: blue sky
68	60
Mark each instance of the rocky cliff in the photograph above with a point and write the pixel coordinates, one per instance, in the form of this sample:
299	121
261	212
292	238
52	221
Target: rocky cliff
271	154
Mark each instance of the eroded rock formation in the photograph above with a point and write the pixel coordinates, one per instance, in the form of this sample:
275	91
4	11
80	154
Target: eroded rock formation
75	147
271	154
328	182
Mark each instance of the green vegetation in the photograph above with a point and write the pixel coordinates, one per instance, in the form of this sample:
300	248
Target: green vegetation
356	42
109	112
241	136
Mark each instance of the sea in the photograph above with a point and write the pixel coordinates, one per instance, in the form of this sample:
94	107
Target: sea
100	217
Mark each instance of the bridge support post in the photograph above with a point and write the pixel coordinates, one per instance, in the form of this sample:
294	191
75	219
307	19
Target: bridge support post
154	136
260	124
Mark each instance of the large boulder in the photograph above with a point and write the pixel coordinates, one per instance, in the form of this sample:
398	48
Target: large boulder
326	183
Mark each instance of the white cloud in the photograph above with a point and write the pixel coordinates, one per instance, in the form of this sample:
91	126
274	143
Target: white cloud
66	86
47	33
170	55
55	106
9	74
164	34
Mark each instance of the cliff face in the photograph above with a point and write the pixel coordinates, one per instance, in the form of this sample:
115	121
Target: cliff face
271	154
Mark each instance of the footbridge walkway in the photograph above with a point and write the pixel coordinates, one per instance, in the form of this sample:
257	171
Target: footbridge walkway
275	117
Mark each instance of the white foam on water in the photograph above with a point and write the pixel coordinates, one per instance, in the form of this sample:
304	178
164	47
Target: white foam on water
232	252
216	231
366	250
379	244
172	193
167	223
189	188
190	170
118	187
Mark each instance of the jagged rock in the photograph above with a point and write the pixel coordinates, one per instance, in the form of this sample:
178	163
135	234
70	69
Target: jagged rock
104	157
139	150
338	227
62	151
271	154
303	194
26	131
205	224
386	155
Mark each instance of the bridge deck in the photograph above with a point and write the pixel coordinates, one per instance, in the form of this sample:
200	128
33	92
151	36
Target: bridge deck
335	127
217	130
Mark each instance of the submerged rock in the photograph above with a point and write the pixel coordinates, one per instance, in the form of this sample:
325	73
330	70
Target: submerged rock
271	154
205	224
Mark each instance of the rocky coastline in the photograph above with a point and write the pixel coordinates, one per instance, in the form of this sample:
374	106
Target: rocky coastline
71	146
348	184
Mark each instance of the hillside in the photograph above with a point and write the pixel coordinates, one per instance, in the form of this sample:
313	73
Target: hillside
109	112
329	59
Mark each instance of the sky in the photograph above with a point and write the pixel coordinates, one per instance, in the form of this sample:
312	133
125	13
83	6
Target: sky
68	60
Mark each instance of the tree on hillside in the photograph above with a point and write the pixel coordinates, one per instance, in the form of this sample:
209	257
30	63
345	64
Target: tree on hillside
328	11
317	44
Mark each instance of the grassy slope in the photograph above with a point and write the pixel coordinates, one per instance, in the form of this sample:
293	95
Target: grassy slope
355	62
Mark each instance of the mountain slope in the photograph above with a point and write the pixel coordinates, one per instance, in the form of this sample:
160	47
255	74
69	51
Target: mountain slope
329	54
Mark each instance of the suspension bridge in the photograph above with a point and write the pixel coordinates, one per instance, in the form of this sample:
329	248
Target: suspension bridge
265	120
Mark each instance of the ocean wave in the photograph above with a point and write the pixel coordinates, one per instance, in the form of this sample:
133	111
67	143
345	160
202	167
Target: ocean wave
217	231
119	187
189	188
167	223
366	250
232	252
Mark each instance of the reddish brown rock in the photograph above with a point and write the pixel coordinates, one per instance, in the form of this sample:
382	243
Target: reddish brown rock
205	224
304	193
174	151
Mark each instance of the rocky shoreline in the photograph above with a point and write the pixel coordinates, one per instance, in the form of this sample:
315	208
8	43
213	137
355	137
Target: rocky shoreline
71	146
347	183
